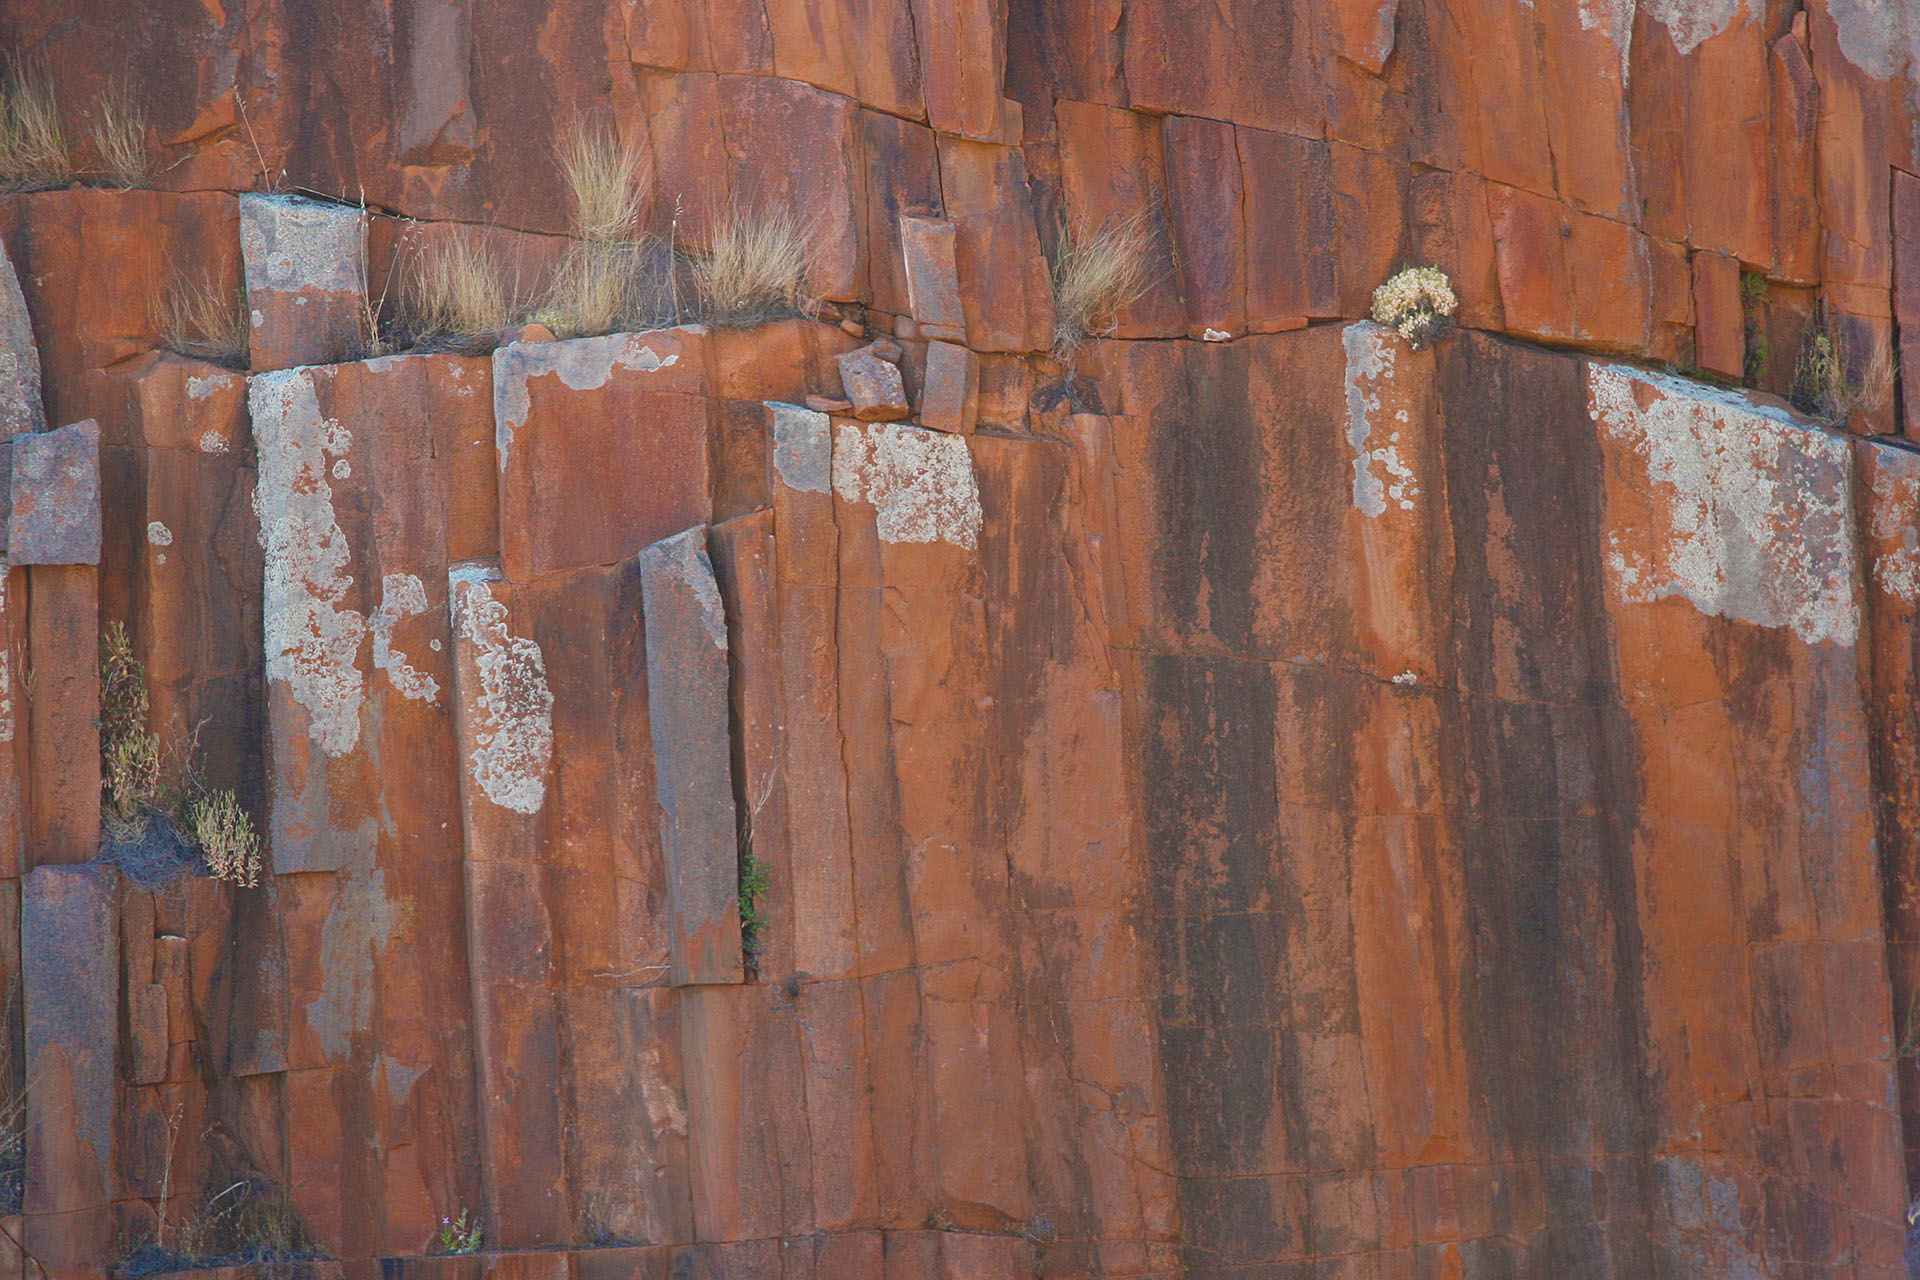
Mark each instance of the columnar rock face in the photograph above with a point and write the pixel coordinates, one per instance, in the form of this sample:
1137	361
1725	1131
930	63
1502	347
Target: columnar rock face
945	784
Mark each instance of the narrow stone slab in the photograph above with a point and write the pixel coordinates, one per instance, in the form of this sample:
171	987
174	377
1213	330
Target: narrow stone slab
55	490
950	392
69	961
933	281
21	405
686	629
306	275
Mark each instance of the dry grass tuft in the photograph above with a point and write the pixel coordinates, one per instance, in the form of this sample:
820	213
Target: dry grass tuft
33	142
227	839
129	751
594	289
1830	381
118	136
196	319
755	267
609	183
1094	276
456	290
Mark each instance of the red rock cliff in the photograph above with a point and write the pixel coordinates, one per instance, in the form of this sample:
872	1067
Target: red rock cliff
1247	799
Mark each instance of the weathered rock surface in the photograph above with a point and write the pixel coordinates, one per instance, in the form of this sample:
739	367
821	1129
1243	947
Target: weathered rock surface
1246	799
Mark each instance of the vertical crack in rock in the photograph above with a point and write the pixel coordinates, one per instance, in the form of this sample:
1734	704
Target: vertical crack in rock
1747	512
513	710
1370	363
919	482
312	638
402	595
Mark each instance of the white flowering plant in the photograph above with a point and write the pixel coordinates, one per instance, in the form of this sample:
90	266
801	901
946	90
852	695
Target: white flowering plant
1419	302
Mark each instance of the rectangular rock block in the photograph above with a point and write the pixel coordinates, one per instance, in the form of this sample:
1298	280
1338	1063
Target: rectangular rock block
602	447
686	630
55	497
63	737
69	962
933	280
306	272
1719	325
950	389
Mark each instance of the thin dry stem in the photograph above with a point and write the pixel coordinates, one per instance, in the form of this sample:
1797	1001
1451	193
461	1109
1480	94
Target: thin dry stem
1096	275
608	182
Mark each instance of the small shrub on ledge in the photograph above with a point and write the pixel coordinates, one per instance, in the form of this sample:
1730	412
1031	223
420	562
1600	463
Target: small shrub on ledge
1419	303
152	833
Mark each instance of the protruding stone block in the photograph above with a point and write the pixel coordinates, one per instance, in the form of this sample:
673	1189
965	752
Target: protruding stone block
874	385
146	1033
1719	326
306	272
949	394
21	405
69	960
56	497
686	631
933	281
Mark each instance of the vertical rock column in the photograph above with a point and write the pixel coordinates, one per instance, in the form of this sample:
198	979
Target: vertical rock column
687	686
70	971
55	531
503	719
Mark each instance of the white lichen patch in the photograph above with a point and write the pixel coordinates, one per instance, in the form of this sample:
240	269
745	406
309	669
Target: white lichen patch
802	448
1894	523
201	386
357	929
312	638
6	682
402	595
582	364
158	535
512	712
290	244
1692	23
920	482
212	441
1380	475
1751	514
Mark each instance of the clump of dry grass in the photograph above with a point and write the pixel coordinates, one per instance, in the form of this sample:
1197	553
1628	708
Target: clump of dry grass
33	142
117	135
600	286
129	751
456	291
1095	275
1830	381
754	267
609	183
196	319
227	839
604	282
